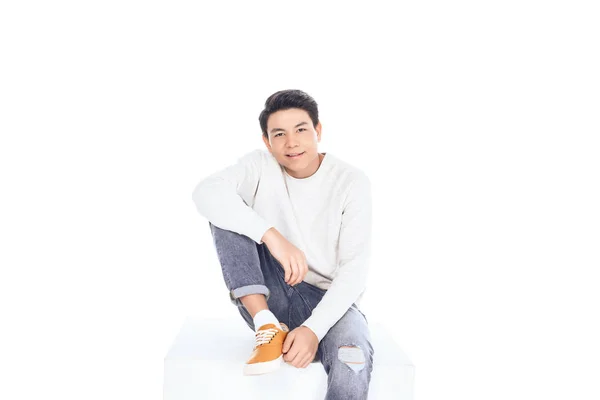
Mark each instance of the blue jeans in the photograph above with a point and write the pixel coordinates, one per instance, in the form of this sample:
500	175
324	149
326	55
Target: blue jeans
345	351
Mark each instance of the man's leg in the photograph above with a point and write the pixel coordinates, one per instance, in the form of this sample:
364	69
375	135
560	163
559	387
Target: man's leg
250	275
254	303
345	351
347	356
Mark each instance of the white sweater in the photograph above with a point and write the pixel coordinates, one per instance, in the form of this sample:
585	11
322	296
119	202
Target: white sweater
327	216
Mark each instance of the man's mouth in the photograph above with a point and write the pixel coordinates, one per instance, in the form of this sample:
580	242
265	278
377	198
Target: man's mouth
294	155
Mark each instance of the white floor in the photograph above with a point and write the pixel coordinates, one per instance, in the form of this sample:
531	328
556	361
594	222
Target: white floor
206	359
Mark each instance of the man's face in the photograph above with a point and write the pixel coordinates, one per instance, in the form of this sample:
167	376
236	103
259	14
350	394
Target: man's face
290	132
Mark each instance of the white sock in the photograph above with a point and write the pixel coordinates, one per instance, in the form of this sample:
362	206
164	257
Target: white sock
265	317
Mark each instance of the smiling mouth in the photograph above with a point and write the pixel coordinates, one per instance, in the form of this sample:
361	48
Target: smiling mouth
296	156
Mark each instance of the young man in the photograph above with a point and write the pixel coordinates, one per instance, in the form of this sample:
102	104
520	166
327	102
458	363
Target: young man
292	230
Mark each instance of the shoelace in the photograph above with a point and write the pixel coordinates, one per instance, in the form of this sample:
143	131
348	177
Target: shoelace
264	336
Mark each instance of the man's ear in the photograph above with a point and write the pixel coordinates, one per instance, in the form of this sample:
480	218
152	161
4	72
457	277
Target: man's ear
318	129
266	141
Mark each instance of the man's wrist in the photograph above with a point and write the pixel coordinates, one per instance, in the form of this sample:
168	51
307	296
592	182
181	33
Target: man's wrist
268	235
311	331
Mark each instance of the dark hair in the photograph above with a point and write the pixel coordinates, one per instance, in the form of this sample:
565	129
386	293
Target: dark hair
284	100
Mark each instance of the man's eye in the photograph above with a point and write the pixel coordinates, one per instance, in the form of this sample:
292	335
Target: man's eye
301	129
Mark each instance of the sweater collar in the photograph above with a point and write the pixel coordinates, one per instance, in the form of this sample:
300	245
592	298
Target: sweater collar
318	172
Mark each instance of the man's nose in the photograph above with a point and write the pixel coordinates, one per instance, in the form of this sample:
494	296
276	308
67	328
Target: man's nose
292	142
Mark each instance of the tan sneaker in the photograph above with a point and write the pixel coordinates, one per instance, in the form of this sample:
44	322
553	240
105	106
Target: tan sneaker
266	355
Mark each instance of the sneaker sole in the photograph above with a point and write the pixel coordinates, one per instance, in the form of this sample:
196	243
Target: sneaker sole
263	367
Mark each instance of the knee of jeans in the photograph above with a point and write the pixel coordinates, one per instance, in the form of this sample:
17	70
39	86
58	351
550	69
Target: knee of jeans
352	356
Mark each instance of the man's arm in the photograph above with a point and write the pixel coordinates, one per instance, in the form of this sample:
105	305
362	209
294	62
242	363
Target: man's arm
219	197
353	260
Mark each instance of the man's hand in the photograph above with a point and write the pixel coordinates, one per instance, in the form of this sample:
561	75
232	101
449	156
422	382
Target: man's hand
300	347
291	258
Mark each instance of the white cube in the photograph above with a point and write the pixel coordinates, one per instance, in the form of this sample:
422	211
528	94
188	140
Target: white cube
206	361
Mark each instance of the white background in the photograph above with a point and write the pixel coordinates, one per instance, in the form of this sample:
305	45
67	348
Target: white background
477	123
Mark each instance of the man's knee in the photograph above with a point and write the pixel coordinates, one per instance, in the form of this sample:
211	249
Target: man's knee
353	356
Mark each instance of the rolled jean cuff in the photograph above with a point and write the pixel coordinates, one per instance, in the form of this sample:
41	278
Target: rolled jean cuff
235	294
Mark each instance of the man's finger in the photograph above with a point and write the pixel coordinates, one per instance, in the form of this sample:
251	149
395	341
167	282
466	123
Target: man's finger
288	271
300	270
300	360
293	356
307	360
294	268
289	339
305	263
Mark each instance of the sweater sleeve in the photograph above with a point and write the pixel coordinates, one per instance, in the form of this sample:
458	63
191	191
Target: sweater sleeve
220	197
354	248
